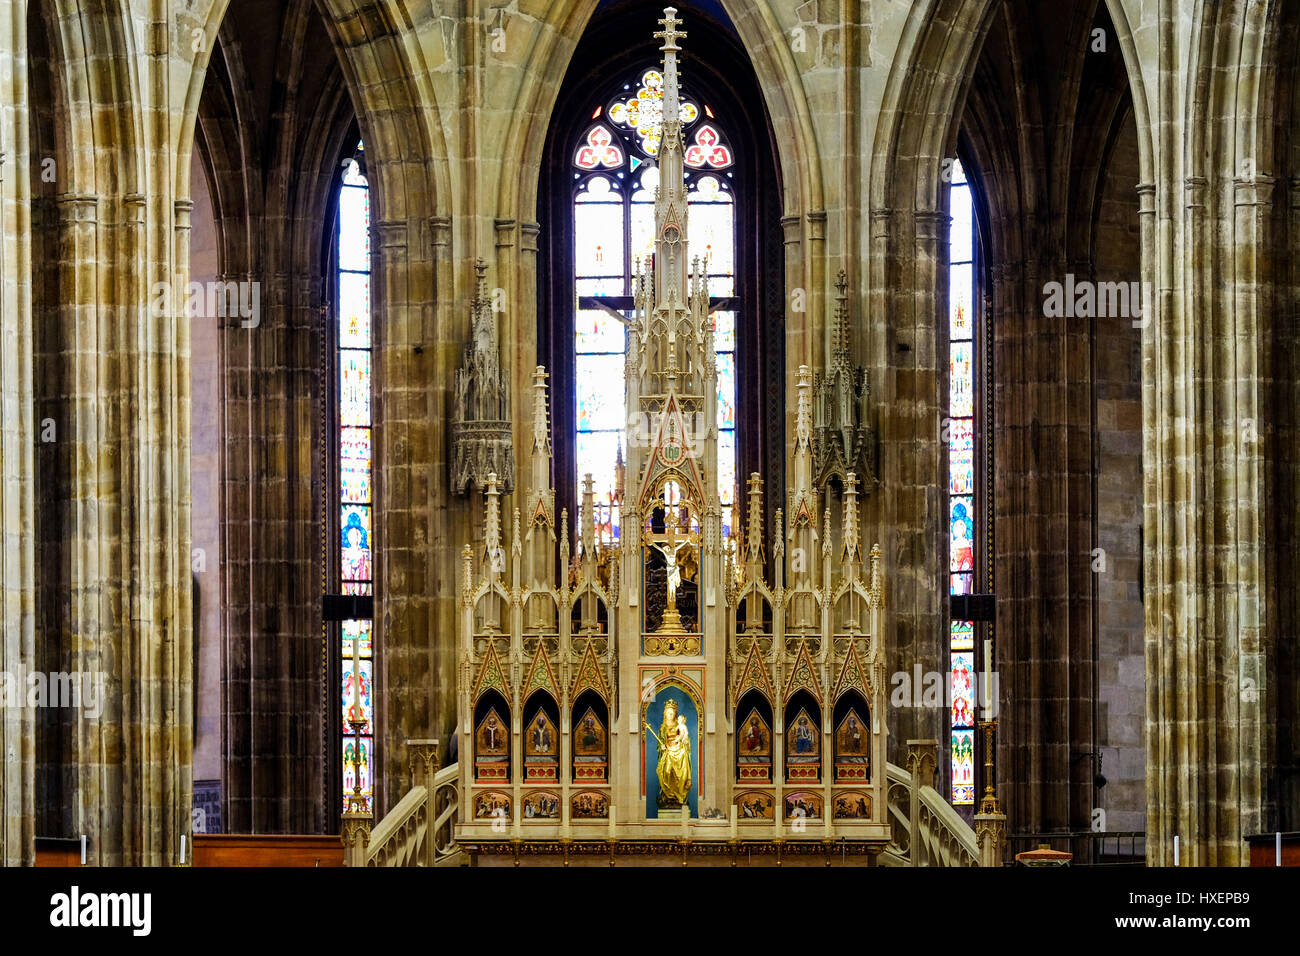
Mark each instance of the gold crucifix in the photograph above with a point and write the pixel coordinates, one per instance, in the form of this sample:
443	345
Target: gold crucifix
670	545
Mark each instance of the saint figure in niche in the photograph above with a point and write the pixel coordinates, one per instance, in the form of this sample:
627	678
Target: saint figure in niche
674	768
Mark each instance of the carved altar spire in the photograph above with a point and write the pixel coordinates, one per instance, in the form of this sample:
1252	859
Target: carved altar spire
842	437
803	496
540	504
481	430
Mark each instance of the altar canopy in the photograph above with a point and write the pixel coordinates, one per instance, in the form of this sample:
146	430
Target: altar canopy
698	667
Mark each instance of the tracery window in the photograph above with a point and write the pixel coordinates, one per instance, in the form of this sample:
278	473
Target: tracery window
355	541
614	176
964	387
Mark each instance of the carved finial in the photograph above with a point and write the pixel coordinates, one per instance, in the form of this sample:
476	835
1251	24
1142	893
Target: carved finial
852	550
841	344
467	572
670	34
826	536
516	544
564	538
803	411
778	546
877	585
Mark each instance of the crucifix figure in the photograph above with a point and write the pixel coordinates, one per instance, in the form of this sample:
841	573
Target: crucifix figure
673	570
670	545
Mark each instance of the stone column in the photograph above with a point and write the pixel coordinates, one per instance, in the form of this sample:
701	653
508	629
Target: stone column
17	438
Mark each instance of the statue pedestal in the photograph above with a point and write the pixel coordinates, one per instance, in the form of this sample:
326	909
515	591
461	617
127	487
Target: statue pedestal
676	814
672	621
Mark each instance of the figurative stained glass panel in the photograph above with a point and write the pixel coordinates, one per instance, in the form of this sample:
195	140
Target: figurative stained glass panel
962	237
354	245
963	766
963	533
356	696
726	390
354	388
354	310
354	465
959	298
352	630
727	467
598	230
712	230
961	469
355	537
963	635
961	434
600	392
724	331
611	285
598	331
367	769
962	401
596	454
963	690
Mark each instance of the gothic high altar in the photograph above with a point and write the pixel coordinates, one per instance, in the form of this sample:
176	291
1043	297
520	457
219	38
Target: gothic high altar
676	690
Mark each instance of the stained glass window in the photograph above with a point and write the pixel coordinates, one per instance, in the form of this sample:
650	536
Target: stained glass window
355	540
615	177
962	514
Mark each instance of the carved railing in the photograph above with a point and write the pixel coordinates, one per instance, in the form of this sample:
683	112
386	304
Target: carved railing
938	837
405	838
420	830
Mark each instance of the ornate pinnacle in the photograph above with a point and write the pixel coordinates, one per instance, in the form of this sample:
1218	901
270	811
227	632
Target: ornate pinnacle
541	423
841	343
826	536
754	529
516	545
588	518
852	546
493	523
778	546
467	579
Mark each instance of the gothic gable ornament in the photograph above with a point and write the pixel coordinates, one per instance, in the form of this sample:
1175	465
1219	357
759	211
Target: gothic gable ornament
803	676
490	676
540	676
754	676
481	430
589	676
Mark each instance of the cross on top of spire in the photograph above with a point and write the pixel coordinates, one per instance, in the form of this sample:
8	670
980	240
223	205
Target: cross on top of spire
670	34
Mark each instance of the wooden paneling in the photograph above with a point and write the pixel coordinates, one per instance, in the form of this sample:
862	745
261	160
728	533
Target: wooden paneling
220	849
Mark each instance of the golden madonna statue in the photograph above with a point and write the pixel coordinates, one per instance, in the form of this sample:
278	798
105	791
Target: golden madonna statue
674	757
